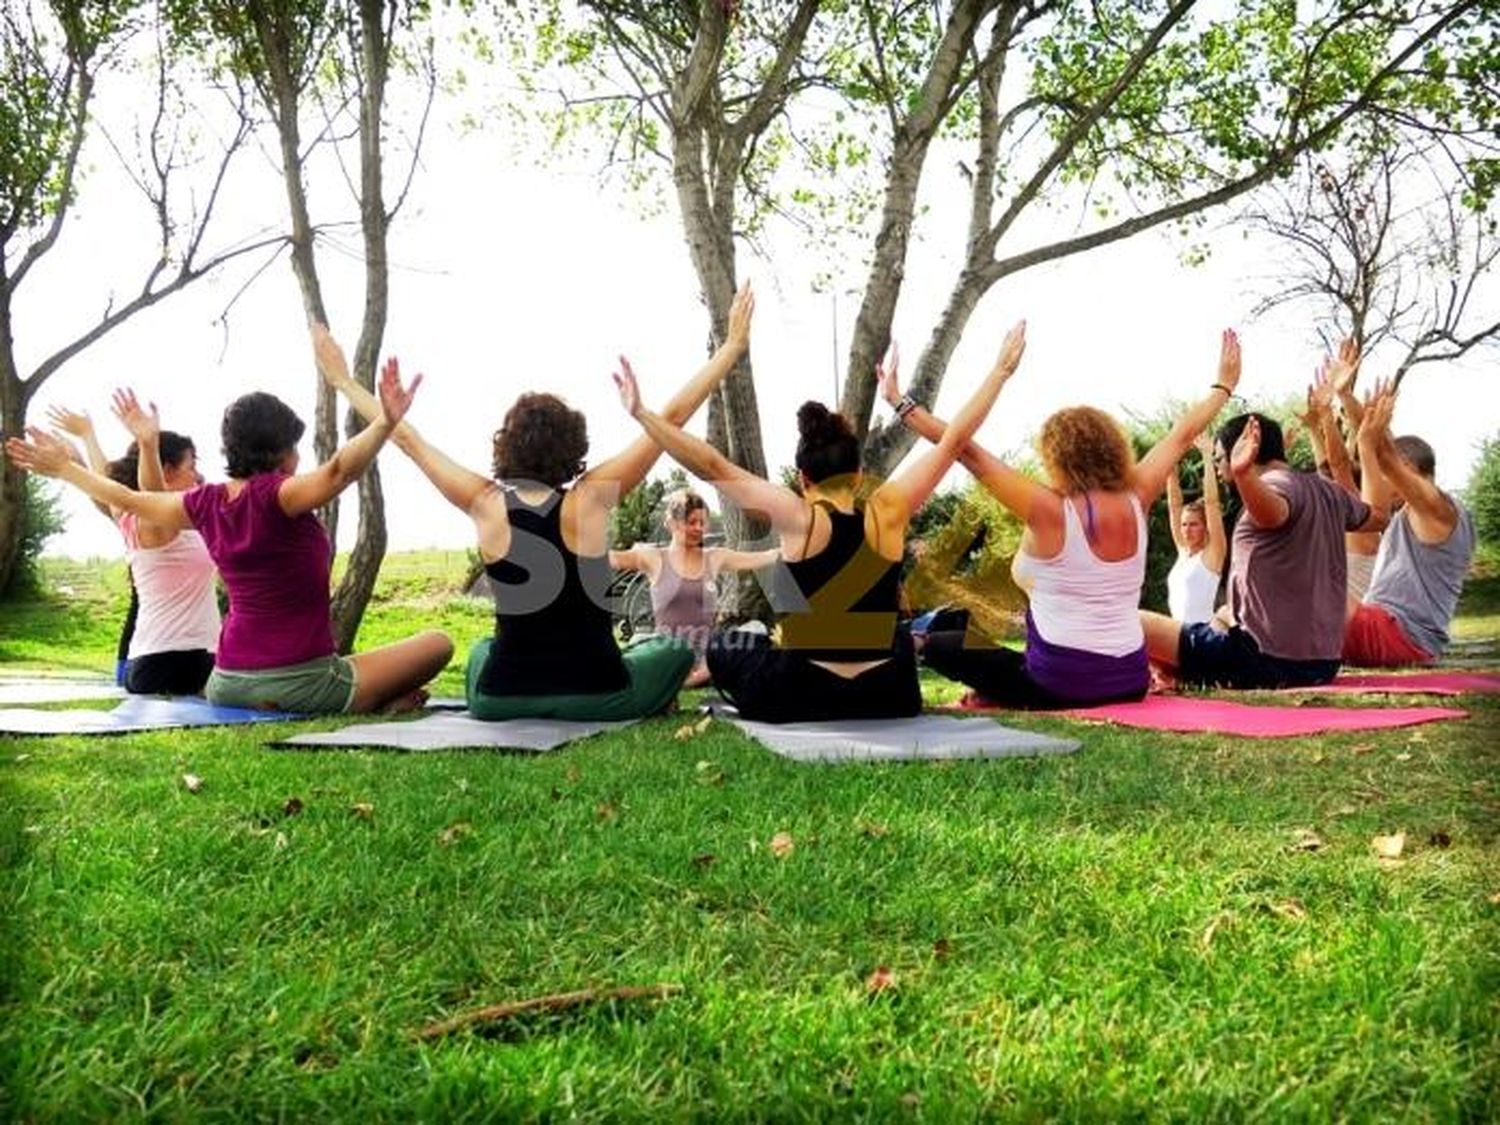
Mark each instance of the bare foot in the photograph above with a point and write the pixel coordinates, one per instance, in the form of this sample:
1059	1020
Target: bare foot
413	700
697	677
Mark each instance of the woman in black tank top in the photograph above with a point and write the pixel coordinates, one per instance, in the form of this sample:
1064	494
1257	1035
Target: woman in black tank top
840	653
544	542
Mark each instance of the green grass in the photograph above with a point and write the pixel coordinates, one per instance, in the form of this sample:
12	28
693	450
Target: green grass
1126	932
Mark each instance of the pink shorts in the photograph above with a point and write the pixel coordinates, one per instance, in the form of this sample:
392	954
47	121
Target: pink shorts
1374	639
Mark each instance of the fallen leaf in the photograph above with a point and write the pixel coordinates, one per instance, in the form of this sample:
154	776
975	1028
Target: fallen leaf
683	733
606	811
1403	757
363	810
192	782
1318	758
1389	847
708	773
1211	929
942	948
911	1099
1362	748
873	829
881	980
702	724
281	841
1417	736
707	859
1345	810
1306	840
21	757
292	806
1369	793
781	845
1289	908
1495	899
1440	839
454	833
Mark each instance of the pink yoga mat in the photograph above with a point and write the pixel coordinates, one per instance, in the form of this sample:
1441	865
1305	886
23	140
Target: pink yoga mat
1188	714
1420	683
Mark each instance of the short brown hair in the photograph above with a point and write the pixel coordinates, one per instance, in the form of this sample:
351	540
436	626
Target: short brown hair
1085	449
1199	507
542	439
684	502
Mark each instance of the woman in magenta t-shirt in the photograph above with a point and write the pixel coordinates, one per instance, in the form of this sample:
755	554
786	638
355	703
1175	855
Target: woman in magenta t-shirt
274	555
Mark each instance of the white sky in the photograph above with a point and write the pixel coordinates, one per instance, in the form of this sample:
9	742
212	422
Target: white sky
507	278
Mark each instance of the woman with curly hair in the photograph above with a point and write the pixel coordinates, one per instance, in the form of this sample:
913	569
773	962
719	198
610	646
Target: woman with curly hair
542	523
840	654
1082	558
276	650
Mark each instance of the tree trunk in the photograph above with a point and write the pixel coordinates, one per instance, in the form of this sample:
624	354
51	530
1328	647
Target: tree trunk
353	593
12	480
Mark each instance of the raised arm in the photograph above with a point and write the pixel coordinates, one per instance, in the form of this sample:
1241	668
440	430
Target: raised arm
1015	490
306	491
1217	549
146	429
1345	373
606	482
1430	510
1151	473
1174	511
1263	504
786	510
50	456
80	425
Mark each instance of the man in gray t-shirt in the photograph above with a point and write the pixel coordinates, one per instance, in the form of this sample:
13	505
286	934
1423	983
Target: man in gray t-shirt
1423	557
1286	573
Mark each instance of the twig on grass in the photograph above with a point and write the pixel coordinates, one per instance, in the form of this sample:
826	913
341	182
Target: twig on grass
558	1002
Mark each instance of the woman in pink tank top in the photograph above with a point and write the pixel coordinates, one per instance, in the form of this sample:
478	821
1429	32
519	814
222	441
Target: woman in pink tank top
682	575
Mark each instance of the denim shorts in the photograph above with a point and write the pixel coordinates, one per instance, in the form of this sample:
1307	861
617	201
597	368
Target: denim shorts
324	686
1232	659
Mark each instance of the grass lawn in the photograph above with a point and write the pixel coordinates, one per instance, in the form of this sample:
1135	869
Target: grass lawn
1159	926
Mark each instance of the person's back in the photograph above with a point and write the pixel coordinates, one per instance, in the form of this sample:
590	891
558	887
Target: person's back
851	593
1419	583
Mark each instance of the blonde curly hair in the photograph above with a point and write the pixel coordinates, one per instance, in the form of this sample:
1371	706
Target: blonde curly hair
1086	450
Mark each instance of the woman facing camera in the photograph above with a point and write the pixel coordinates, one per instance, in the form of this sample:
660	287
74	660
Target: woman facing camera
840	653
276	651
1198	534
1082	558
542	524
682	575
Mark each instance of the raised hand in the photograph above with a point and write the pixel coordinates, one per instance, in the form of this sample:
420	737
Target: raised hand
1229	360
75	422
1012	349
630	391
1242	456
1204	444
395	400
740	314
329	356
886	375
1380	406
45	454
1343	368
142	425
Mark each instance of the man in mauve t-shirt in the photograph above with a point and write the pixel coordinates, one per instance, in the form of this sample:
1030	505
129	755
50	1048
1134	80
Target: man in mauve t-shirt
1286	573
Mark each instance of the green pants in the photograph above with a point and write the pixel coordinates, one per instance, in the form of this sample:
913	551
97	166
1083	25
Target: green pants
656	667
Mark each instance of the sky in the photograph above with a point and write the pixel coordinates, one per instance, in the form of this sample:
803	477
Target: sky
508	277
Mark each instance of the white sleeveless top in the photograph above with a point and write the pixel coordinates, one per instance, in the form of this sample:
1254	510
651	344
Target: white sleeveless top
1191	587
179	611
1081	601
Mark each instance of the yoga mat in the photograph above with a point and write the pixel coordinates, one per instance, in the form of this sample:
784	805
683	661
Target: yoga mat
924	738
137	713
1221	716
1417	683
448	731
42	689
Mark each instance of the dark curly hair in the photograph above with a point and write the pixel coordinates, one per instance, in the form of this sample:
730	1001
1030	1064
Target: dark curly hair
258	431
1272	445
542	439
826	445
175	449
1086	450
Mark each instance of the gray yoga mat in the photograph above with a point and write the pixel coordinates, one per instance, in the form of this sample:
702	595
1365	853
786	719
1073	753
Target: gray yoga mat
449	731
137	713
925	738
23	690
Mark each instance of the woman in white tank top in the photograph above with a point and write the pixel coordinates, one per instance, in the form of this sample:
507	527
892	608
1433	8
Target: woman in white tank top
1198	532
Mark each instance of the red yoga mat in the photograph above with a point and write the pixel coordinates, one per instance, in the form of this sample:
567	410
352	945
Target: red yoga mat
1188	714
1416	683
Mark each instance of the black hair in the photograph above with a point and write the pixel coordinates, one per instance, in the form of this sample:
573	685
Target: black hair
1419	453
258	431
826	445
1272	445
542	439
126	469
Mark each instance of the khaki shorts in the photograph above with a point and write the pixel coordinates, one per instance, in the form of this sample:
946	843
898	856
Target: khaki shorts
319	687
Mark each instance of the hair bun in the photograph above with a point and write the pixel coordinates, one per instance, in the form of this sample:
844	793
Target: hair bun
814	420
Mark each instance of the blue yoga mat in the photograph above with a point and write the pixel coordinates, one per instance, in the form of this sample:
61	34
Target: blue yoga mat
138	713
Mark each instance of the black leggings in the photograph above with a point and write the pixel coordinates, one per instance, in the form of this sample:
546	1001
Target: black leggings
169	673
999	675
775	685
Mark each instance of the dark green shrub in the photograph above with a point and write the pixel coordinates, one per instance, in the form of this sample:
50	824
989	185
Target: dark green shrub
1483	492
41	519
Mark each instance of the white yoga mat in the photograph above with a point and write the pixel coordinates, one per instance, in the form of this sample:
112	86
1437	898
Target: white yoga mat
925	738
449	731
23	690
137	713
